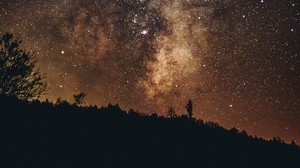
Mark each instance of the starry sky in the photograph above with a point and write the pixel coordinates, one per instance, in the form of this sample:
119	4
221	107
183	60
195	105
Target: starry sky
237	60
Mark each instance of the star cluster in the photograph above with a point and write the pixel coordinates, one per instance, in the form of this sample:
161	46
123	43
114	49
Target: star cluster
237	60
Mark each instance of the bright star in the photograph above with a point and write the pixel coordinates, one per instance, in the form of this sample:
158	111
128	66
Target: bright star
144	32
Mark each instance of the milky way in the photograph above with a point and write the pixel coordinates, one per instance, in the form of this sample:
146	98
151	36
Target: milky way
237	60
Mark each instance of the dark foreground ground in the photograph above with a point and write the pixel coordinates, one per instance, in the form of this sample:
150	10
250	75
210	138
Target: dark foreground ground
44	135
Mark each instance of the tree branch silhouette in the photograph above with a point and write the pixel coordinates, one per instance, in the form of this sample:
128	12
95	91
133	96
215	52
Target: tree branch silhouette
18	76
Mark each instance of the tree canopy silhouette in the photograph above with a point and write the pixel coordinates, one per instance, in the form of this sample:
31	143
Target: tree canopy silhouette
44	134
17	75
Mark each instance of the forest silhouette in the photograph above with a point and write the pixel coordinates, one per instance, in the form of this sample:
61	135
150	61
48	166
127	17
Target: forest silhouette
48	135
45	134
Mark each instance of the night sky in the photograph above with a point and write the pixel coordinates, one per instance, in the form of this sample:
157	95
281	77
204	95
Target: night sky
237	60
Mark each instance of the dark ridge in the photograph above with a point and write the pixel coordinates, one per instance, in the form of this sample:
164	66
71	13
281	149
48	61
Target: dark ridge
47	135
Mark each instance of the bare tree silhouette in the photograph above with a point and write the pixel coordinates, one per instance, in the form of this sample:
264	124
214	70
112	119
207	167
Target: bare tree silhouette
171	113
79	98
17	75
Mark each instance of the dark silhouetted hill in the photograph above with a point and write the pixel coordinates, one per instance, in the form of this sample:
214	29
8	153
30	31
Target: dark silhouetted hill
46	135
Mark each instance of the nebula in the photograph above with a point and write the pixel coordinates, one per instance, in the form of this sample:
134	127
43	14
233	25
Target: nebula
237	60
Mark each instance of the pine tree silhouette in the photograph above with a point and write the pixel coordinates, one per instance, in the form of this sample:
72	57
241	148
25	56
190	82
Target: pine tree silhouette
189	108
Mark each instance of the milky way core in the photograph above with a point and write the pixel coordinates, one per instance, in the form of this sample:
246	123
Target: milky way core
237	60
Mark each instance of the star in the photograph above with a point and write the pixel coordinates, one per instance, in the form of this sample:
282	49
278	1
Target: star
236	60
144	32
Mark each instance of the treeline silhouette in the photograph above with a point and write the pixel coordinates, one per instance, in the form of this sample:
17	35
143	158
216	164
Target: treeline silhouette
45	134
